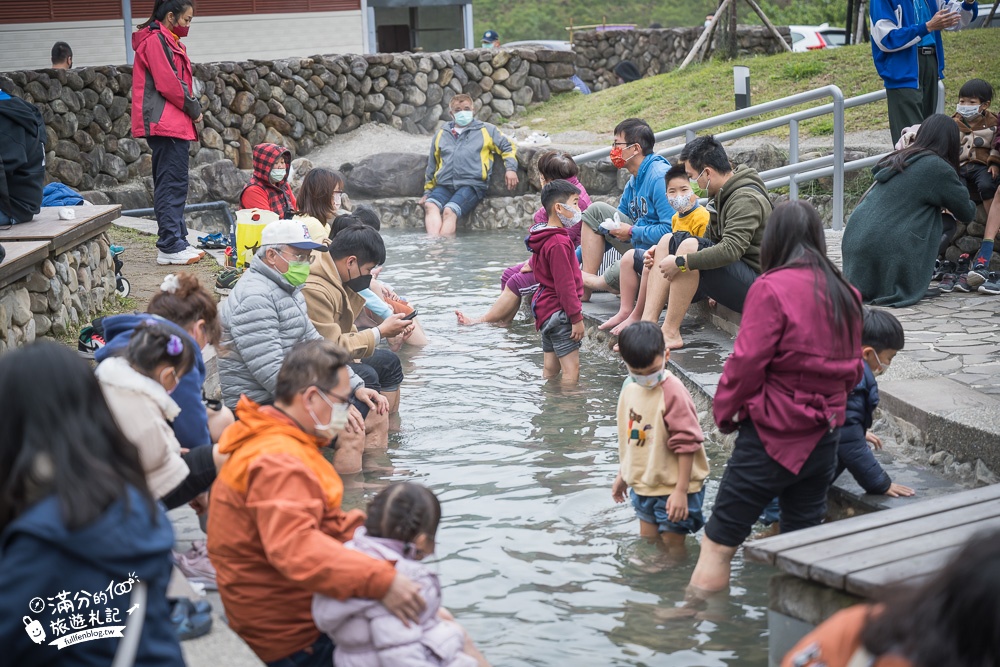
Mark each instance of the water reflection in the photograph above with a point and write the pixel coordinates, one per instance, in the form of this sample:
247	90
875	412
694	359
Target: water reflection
538	562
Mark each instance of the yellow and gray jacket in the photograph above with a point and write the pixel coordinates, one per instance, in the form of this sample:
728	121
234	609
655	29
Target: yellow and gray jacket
466	158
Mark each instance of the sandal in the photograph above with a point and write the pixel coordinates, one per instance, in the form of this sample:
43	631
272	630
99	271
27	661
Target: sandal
213	242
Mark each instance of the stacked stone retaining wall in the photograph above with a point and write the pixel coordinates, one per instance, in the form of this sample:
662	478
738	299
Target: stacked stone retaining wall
656	51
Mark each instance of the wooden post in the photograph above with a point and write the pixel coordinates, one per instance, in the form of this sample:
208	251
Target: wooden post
706	35
859	33
993	12
850	23
770	26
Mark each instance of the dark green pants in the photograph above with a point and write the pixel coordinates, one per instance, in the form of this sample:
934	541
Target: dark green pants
909	106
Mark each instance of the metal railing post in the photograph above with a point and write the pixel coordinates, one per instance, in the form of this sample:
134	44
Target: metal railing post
838	159
940	97
793	155
689	136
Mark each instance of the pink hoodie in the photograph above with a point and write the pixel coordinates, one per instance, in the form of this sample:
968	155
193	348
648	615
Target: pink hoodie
368	635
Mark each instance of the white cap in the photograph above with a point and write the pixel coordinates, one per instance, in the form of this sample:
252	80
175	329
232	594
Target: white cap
292	233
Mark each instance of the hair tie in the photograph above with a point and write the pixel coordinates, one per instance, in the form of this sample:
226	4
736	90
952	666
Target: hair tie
171	283
174	345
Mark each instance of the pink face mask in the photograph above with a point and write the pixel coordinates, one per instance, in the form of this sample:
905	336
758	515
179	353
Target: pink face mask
181	30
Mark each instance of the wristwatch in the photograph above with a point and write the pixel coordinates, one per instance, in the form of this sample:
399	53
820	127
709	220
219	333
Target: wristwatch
681	261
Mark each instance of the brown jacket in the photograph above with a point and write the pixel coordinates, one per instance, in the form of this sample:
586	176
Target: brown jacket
978	140
276	532
333	308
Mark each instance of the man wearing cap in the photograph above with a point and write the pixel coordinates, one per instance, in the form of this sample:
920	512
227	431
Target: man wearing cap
491	40
265	315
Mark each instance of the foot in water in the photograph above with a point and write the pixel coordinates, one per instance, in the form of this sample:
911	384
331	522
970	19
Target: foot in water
465	320
624	324
673	342
614	321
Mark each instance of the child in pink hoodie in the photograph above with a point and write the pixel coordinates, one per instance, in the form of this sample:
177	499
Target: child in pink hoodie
400	528
556	305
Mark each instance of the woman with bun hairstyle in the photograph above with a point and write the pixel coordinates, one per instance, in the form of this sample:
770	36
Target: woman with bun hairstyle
164	112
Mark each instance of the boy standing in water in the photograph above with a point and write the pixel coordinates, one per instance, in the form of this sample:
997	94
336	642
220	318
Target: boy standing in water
659	443
556	305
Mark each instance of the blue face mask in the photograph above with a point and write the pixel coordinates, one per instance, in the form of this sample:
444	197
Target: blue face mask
463	118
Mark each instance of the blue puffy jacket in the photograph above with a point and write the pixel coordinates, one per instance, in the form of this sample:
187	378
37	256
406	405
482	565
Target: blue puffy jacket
853	453
42	561
191	425
895	34
645	201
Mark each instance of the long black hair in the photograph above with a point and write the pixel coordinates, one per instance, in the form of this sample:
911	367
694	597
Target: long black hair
938	134
155	343
949	621
794	235
163	7
402	511
57	436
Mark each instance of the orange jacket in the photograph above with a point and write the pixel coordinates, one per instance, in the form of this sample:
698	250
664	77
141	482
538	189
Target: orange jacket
276	532
837	641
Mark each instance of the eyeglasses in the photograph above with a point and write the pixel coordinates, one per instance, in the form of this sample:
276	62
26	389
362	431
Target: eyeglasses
340	399
298	258
620	143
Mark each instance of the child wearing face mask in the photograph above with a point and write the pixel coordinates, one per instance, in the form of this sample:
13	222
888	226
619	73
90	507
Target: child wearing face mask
663	462
556	305
137	387
401	526
268	188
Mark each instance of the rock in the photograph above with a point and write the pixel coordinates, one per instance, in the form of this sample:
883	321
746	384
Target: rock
21	307
224	180
37	283
415	96
114	166
48	269
984	476
42	325
131	196
504	107
66	171
211	139
501	92
129	150
388	175
83	140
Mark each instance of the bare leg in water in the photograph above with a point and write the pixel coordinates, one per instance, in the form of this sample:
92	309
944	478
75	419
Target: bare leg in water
629	291
676	293
501	312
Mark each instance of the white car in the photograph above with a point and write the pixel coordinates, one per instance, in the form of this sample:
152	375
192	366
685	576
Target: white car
984	13
814	37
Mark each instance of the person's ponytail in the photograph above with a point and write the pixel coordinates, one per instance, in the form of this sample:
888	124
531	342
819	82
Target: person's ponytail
163	7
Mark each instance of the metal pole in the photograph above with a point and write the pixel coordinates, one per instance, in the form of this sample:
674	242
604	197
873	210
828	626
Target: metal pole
838	159
793	155
127	22
939	105
741	86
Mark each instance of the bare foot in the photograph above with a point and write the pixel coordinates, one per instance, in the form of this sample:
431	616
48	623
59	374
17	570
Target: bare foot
624	324
614	348
673	342
465	320
587	293
614	321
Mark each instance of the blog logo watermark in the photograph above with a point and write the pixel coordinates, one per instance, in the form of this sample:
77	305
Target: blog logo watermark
83	616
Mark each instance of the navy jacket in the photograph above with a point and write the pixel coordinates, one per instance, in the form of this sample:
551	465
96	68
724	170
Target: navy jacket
854	452
191	425
40	559
22	158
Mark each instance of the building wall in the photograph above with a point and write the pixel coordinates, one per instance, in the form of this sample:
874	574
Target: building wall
212	38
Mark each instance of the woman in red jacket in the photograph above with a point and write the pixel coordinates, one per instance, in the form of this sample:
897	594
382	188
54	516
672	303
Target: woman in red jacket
164	111
268	188
784	388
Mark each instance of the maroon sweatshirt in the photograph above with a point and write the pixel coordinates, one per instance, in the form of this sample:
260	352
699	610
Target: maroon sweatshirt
557	273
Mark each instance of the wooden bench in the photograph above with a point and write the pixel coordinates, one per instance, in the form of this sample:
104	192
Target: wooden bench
21	258
62	235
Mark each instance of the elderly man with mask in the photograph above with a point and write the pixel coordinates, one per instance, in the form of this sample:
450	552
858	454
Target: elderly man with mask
264	316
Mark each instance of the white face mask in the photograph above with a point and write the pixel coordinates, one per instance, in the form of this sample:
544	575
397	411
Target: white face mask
882	368
650	381
573	219
338	418
278	174
338	200
680	203
967	110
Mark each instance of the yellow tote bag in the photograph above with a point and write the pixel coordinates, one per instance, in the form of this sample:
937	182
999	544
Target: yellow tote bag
250	223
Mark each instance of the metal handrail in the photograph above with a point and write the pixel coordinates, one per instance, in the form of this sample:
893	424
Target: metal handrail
794	172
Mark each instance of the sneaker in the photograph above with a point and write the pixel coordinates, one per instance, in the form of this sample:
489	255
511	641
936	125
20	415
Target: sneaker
195	565
190	618
940	268
962	284
89	342
992	285
948	281
184	257
227	280
979	274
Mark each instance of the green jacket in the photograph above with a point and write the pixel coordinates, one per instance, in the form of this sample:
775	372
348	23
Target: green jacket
892	238
738	228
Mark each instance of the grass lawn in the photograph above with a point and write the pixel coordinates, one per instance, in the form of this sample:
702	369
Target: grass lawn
705	90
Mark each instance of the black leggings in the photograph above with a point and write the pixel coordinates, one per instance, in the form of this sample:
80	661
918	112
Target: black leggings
202	465
947	231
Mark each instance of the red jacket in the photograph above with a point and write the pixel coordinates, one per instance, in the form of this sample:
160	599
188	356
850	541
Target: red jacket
261	192
558	275
163	101
787	372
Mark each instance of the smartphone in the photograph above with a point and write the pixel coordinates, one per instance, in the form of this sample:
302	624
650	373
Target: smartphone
411	315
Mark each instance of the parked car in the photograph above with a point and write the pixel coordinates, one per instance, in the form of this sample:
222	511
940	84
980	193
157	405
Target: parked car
984	13
814	37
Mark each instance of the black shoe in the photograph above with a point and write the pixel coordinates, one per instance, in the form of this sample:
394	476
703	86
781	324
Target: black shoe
962	284
227	280
939	270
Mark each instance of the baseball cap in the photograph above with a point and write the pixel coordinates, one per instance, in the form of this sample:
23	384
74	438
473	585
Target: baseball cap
292	233
491	36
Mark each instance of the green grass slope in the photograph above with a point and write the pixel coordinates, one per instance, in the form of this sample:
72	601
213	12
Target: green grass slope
705	90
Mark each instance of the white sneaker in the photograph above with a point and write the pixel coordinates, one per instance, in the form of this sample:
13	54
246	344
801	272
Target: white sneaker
186	256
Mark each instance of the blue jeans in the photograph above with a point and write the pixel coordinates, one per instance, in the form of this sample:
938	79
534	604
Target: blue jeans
653	509
320	654
461	200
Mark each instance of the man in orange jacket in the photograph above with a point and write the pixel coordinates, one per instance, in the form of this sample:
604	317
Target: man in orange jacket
276	529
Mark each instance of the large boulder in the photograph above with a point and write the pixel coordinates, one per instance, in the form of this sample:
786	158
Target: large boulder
225	182
388	175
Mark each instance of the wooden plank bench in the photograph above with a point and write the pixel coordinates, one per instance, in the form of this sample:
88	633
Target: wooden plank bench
62	235
21	258
864	555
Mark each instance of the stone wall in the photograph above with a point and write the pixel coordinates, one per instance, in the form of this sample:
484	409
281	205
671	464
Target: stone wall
58	294
299	103
656	51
